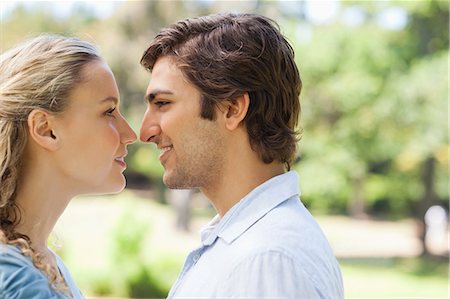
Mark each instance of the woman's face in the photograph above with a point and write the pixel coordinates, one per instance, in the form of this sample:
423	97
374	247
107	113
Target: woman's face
93	134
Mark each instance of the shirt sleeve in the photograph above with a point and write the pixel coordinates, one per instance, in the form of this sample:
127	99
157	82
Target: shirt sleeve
20	279
269	274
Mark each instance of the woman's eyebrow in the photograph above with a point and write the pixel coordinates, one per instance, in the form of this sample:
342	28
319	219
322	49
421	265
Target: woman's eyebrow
109	99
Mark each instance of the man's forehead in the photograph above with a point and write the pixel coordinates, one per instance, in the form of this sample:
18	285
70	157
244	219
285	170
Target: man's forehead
164	64
167	77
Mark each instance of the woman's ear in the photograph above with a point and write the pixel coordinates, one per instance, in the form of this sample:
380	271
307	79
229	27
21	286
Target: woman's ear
41	131
236	111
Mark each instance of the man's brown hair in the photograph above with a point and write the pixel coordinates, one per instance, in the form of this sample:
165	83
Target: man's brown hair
227	55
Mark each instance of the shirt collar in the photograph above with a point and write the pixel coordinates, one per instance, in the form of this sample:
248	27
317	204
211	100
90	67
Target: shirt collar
251	208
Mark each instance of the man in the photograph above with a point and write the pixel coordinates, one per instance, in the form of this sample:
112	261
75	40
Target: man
223	106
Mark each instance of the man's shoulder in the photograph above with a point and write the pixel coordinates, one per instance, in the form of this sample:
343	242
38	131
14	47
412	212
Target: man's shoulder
288	228
285	220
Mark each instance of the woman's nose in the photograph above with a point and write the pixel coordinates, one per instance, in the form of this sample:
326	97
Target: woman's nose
128	136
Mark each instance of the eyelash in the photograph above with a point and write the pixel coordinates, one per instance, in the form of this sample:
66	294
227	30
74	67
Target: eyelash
160	104
110	112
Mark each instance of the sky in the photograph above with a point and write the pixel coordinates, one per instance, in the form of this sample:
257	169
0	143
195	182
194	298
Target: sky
63	8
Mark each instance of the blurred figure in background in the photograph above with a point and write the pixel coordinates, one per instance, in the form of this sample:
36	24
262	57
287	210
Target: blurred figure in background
61	135
223	108
181	199
436	230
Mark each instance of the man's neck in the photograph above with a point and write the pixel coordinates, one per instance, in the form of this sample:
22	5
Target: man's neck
237	182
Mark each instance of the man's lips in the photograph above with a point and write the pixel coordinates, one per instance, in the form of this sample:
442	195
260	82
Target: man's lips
164	152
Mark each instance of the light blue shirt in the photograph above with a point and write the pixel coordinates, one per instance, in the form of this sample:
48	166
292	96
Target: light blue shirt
20	279
267	246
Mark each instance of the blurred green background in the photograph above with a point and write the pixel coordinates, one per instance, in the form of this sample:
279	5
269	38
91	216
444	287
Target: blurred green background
373	159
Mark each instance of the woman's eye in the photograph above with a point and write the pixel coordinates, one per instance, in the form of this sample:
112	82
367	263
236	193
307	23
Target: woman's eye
110	112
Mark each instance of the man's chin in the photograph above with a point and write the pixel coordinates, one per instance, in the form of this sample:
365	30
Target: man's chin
169	180
172	181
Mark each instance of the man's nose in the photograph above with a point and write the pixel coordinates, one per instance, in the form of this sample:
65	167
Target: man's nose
150	127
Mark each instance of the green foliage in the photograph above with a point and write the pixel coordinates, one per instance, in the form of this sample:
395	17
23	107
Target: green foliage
128	237
373	102
128	270
374	110
136	277
121	248
145	160
143	284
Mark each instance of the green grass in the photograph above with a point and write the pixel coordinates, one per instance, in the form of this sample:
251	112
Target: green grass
395	278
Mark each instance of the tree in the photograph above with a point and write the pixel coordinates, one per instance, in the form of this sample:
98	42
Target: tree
369	95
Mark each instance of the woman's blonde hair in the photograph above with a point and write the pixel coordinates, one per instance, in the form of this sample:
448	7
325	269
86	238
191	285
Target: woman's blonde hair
36	74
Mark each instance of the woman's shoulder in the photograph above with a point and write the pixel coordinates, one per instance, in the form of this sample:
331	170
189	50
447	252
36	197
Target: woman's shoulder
18	276
76	292
11	255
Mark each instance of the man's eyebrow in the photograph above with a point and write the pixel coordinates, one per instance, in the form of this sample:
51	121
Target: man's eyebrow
110	99
152	95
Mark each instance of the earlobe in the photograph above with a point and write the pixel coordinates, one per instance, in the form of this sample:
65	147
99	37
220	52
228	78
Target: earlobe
236	111
41	130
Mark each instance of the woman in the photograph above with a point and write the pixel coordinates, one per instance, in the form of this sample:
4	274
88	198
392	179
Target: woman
61	135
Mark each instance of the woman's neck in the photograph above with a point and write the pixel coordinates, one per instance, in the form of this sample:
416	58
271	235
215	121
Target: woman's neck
40	205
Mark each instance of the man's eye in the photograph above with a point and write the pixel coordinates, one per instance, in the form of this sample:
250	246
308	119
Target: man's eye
161	103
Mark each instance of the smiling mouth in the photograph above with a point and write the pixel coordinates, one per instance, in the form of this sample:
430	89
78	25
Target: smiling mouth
121	161
163	152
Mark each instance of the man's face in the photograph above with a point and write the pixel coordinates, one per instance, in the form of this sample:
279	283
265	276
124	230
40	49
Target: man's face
191	147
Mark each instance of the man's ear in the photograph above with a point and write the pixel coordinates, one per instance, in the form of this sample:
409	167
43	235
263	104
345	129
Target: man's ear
236	110
41	131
